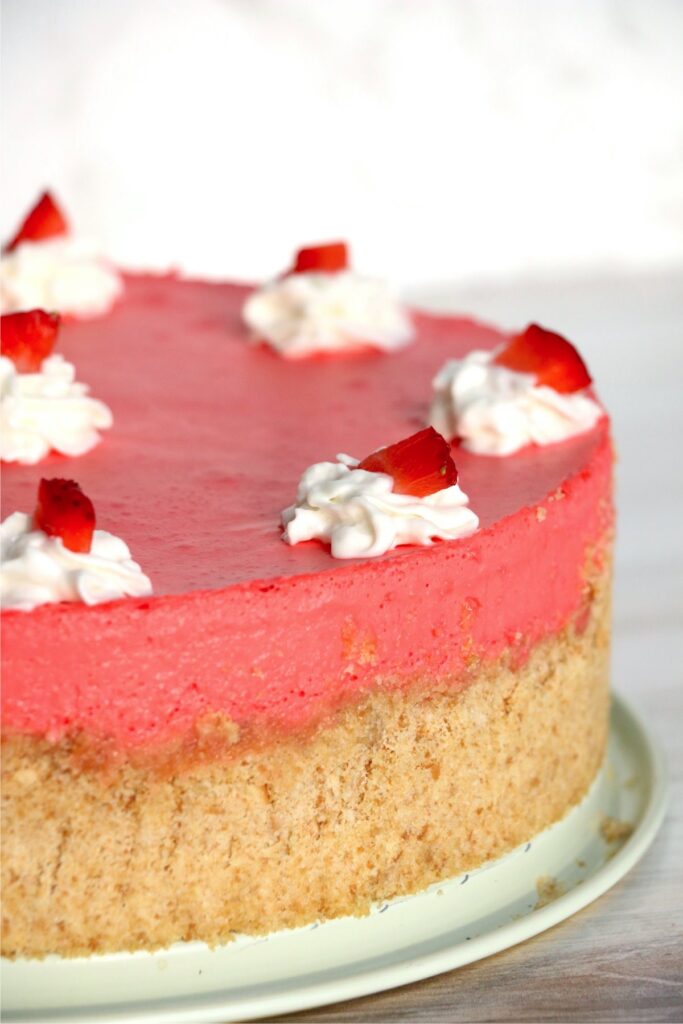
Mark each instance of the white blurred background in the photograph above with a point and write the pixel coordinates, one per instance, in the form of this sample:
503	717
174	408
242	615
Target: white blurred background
517	159
446	139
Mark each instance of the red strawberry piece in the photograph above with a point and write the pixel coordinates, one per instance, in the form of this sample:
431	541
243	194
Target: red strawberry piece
328	258
554	360
420	465
44	221
28	338
63	510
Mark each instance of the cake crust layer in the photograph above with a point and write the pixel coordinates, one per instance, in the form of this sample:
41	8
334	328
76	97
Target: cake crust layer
399	791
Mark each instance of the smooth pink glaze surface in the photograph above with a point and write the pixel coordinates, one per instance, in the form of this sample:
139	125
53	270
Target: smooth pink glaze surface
210	437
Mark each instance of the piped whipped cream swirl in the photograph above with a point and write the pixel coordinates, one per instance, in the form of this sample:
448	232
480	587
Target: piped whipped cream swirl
359	515
301	314
38	569
45	411
497	411
63	274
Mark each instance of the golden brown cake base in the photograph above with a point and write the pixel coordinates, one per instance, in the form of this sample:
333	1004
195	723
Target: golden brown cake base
403	790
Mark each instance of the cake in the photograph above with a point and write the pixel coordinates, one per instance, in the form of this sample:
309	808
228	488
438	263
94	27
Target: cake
276	735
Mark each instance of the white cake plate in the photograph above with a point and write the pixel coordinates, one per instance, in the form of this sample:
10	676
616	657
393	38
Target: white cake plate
451	924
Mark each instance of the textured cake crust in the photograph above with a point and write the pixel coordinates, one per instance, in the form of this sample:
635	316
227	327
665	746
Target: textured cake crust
400	791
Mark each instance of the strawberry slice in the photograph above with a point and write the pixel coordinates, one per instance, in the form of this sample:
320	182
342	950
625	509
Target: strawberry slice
420	465
328	258
554	360
28	338
63	510
44	221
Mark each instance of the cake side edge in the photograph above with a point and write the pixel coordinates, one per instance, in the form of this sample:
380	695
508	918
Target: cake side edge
404	788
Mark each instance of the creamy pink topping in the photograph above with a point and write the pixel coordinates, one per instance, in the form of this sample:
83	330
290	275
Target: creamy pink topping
209	444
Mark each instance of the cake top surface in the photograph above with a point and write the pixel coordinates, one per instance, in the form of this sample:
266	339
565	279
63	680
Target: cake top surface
211	433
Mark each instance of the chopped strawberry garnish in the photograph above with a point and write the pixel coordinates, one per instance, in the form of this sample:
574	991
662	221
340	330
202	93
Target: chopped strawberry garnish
63	510
328	258
420	465
28	338
554	360
44	221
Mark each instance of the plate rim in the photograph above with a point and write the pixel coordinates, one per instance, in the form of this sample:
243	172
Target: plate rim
203	1009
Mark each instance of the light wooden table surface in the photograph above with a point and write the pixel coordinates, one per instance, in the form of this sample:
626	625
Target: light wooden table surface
620	959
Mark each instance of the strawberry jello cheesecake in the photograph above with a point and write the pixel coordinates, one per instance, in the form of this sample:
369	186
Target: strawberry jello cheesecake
371	648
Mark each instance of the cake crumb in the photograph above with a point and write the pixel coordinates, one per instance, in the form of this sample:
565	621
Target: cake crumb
558	495
26	777
580	863
614	831
216	728
549	890
541	513
357	646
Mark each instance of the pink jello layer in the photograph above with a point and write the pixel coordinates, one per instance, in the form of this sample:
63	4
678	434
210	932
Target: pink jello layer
210	437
